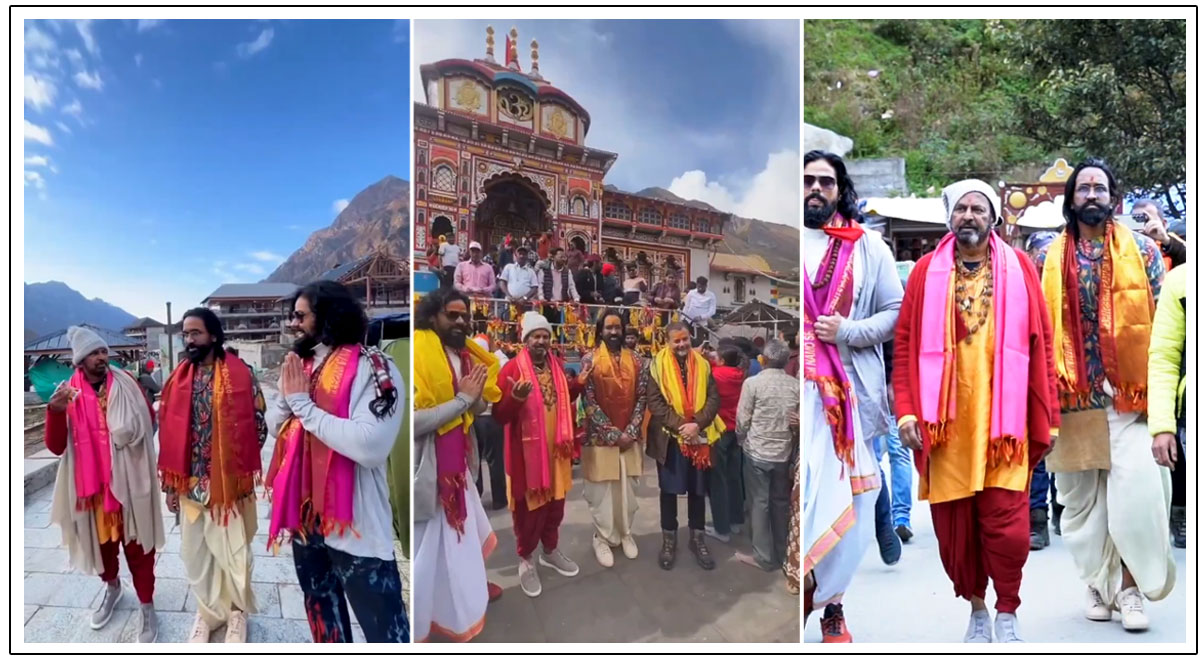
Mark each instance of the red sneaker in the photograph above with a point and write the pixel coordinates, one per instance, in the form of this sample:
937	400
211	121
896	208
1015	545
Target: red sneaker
833	626
494	592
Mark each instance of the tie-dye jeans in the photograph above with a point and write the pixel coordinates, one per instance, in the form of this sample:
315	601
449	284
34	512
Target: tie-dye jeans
328	577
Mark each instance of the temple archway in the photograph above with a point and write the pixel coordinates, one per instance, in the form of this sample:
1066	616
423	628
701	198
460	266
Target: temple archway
512	205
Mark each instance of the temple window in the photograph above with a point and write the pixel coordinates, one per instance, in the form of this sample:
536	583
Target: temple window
444	178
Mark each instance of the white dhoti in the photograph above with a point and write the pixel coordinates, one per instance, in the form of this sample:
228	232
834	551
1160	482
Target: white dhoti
217	558
1119	516
450	594
839	504
613	503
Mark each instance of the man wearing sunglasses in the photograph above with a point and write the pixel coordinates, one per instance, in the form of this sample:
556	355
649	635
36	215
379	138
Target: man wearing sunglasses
852	297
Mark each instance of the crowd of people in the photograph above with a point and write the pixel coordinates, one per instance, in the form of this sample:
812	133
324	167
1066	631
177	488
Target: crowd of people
719	426
1005	378
336	420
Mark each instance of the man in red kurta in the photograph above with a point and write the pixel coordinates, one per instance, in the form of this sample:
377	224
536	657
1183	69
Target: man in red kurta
539	443
976	400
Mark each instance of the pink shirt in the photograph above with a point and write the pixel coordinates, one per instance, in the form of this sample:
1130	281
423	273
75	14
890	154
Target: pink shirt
472	279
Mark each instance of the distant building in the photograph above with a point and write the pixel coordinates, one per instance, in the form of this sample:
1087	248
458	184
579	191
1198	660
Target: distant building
738	279
251	312
380	280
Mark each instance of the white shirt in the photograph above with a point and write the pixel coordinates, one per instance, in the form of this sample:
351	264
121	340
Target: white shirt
449	254
363	439
521	280
699	307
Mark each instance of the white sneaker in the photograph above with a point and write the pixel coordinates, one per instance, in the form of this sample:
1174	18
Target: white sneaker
1133	616
1097	610
559	562
979	630
1006	628
604	554
531	585
200	631
629	547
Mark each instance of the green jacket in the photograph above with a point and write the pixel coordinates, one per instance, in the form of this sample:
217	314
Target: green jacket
1166	382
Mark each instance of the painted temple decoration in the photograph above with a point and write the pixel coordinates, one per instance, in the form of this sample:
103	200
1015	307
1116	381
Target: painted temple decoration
500	150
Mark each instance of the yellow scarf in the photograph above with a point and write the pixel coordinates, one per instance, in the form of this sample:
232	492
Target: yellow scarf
1125	316
434	383
665	372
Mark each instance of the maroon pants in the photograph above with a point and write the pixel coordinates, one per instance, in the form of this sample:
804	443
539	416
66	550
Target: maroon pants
985	536
141	565
540	525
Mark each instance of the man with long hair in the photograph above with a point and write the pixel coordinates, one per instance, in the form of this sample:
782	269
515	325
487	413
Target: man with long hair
975	391
454	380
684	424
539	440
852	296
614	400
210	457
338	418
106	494
1101	280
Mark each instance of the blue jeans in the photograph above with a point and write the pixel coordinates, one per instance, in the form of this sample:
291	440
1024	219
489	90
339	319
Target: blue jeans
329	578
901	463
1039	488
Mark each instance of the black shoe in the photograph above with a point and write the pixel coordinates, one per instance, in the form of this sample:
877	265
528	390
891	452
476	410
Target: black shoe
1039	534
1179	527
889	544
700	550
499	504
1056	511
666	555
904	533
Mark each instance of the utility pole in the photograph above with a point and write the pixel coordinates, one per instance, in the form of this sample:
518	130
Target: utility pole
170	342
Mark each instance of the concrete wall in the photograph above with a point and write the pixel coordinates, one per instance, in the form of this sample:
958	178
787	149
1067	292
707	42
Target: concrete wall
878	177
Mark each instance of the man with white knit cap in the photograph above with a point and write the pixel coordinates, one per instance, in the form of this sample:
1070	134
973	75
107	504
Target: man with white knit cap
106	493
976	401
536	411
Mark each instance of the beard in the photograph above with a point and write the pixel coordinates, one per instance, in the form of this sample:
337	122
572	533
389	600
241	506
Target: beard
971	236
197	353
614	344
1093	214
816	217
455	338
305	345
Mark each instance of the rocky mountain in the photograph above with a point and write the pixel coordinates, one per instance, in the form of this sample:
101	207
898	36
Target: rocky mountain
377	216
52	306
778	244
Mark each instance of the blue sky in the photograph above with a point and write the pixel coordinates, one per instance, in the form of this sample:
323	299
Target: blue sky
165	158
708	109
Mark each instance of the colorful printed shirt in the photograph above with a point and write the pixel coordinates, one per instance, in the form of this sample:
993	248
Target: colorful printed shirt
202	428
601	431
1090	254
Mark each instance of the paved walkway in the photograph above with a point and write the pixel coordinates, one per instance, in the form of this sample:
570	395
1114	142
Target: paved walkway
913	601
635	601
59	602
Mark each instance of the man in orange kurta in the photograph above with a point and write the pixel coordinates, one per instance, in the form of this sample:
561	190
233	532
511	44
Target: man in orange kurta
976	398
539	444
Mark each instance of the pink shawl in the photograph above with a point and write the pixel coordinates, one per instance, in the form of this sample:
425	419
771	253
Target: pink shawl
89	438
538	462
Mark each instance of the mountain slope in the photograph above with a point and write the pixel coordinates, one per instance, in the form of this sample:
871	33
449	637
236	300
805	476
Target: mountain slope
52	306
377	216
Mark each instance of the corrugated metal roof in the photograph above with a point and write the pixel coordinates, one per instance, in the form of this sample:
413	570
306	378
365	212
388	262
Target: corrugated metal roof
57	341
729	262
145	322
272	290
340	270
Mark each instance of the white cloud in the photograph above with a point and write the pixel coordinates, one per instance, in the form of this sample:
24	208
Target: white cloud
39	91
63	127
266	256
75	57
340	205
44	61
38	134
259	44
400	31
36	40
137	60
89	80
147	24
55	24
84	27
74	108
770	194
35	179
37	161
253	269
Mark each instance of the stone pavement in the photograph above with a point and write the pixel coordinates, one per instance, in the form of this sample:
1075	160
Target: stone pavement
59	602
635	600
913	601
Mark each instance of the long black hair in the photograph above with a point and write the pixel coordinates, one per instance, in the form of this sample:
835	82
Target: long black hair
433	303
1114	195
847	202
605	314
212	324
340	318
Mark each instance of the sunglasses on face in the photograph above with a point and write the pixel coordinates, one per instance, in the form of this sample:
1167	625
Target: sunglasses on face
297	315
456	316
825	181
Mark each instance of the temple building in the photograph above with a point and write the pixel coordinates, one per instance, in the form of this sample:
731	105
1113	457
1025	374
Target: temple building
380	280
501	151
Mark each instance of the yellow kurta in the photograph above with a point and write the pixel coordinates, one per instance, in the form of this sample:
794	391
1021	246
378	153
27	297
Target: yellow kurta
560	471
959	468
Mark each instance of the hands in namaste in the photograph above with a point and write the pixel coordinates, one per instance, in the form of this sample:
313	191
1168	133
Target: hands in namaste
472	384
292	379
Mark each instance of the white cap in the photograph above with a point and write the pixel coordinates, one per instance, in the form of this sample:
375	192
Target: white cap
474	245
